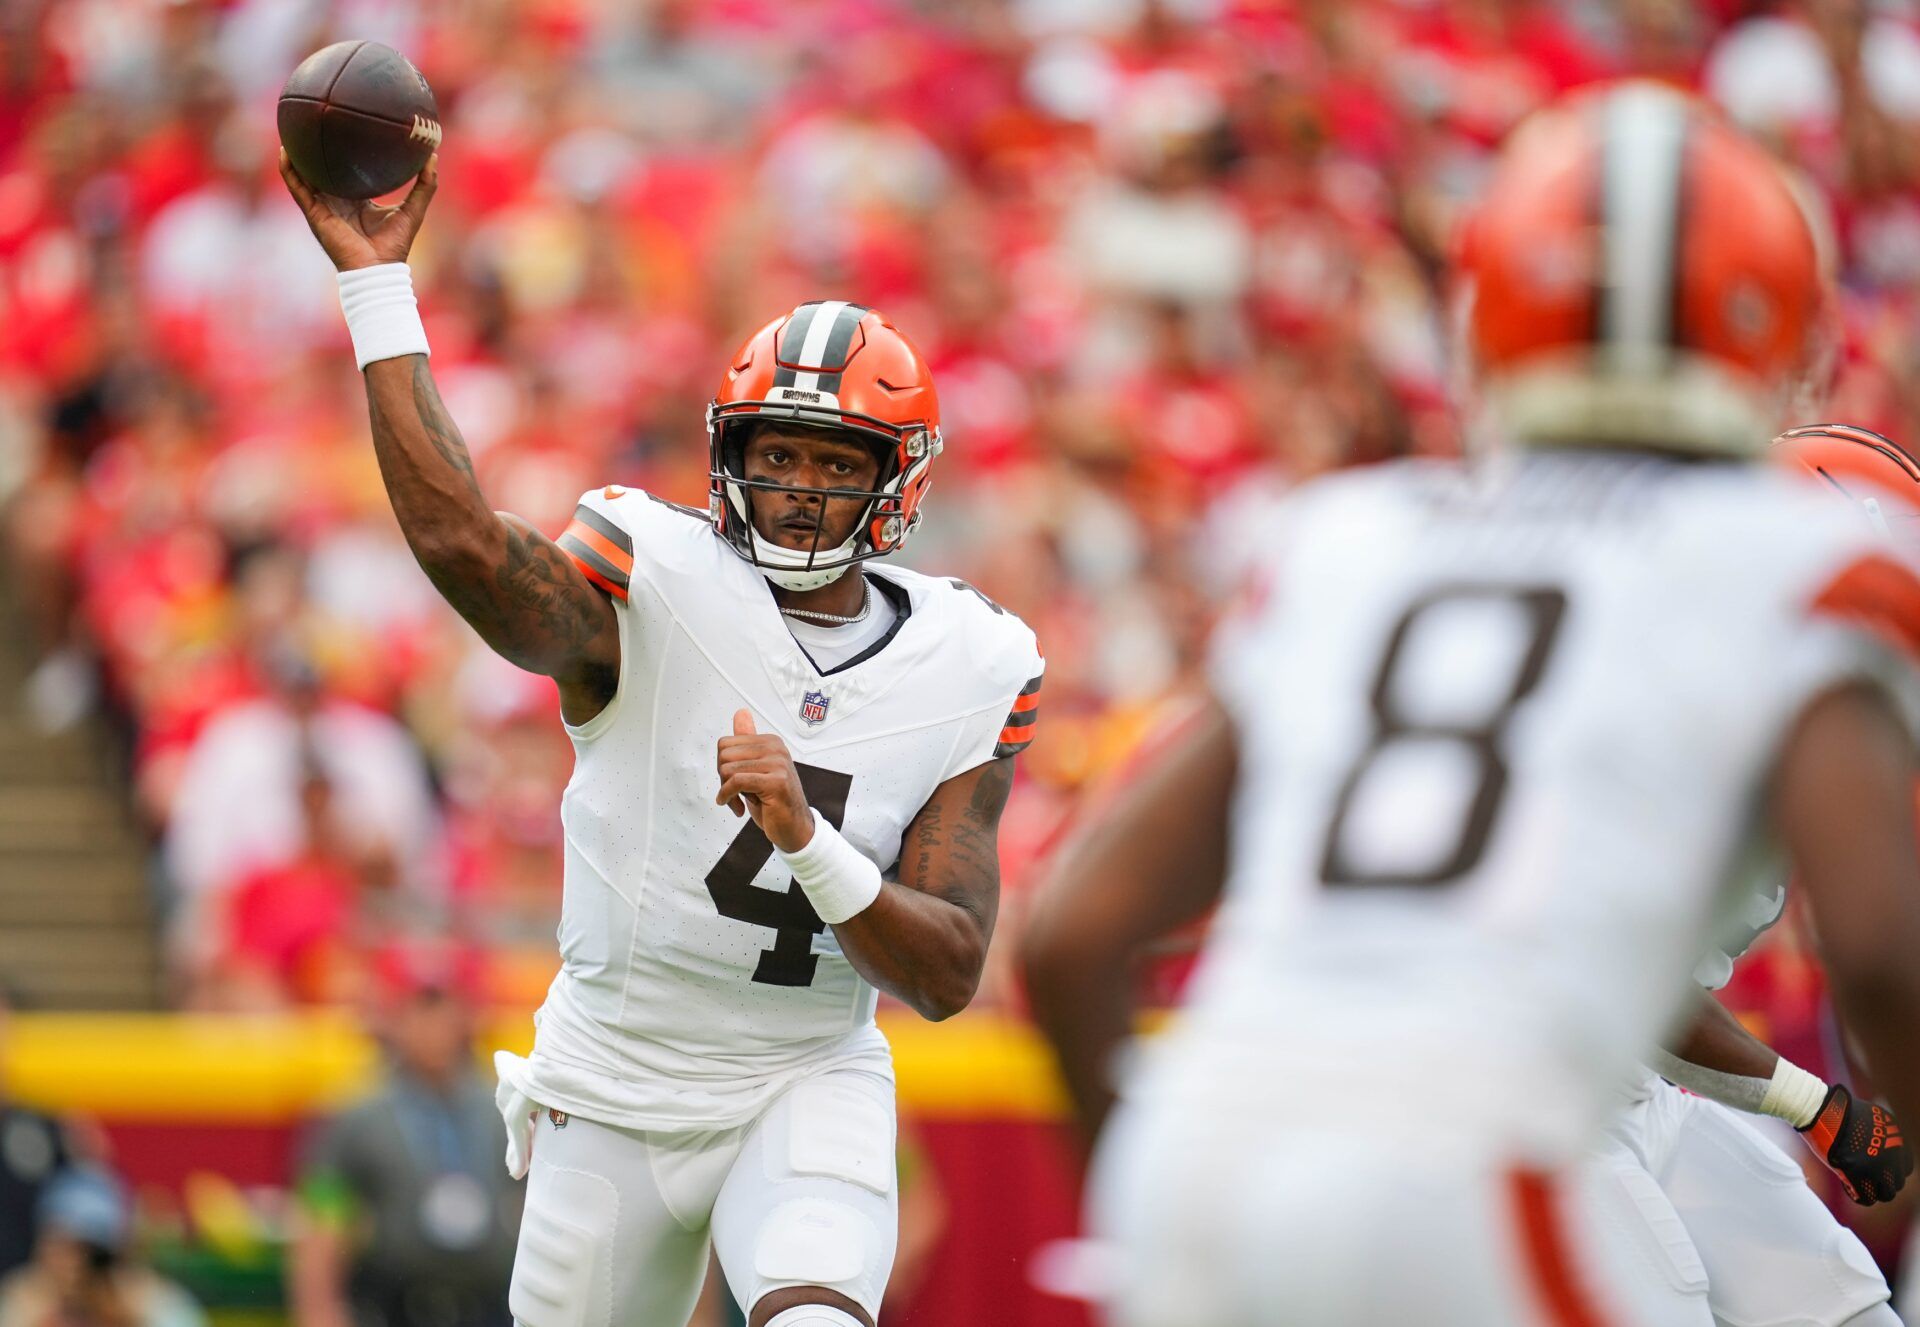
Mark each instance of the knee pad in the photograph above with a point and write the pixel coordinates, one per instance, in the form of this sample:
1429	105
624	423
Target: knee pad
811	1201
818	1242
814	1315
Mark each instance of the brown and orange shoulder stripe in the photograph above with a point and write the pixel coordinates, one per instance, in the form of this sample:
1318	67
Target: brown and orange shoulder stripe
601	549
1016	735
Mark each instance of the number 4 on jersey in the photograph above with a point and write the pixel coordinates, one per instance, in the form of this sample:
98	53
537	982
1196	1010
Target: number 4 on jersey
791	961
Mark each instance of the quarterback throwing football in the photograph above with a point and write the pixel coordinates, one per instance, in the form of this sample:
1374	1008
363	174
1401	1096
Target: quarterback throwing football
762	725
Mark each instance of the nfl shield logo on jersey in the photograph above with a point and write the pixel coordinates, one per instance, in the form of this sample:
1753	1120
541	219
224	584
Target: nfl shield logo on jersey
813	707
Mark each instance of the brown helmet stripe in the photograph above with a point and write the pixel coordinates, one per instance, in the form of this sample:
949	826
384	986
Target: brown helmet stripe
822	353
793	340
833	360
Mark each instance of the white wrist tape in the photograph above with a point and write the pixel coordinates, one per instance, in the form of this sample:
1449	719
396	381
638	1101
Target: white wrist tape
836	879
1793	1095
383	318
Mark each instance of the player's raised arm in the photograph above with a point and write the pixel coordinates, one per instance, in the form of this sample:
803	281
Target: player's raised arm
524	596
1153	860
1843	804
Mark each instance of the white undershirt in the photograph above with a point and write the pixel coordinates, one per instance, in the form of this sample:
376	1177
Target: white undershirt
829	647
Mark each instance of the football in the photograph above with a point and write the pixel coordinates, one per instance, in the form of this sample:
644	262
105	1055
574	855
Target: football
358	120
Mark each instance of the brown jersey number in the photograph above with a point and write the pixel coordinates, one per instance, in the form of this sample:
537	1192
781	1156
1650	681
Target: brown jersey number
1542	611
790	960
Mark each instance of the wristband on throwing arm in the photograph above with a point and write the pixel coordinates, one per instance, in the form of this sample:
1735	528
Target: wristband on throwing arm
836	879
383	318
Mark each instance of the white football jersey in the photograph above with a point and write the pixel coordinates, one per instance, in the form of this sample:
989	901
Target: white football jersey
1503	748
697	980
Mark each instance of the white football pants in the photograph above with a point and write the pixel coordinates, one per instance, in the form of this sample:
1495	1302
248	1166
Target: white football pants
618	1221
1770	1251
1212	1226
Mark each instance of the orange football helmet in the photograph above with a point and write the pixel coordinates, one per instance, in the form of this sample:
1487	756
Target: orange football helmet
1875	471
1638	273
828	364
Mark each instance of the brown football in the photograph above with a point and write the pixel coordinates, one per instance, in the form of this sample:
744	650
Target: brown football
358	120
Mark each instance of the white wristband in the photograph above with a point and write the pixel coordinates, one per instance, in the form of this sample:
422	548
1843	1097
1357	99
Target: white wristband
1793	1095
836	879
383	318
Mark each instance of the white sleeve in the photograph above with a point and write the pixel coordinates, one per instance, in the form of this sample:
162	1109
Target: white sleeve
1831	652
1241	652
1002	731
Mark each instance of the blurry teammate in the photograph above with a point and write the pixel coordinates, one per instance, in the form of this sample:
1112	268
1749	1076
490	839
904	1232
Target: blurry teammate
1868	469
707	1068
1770	1251
1487	753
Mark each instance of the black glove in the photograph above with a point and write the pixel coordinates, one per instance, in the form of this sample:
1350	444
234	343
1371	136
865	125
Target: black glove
1860	1142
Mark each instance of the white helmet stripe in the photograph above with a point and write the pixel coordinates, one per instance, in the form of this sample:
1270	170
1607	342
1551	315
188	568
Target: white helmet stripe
1640	188
813	350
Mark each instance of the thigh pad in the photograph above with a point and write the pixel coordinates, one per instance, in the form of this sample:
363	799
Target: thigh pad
563	1269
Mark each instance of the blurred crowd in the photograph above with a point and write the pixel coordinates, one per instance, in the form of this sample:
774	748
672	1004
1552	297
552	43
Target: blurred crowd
1167	257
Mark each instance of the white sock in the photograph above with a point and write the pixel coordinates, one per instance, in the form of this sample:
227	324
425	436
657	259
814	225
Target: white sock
814	1315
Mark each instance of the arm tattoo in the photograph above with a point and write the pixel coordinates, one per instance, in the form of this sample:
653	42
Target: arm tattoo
540	595
990	793
974	847
927	832
439	425
512	585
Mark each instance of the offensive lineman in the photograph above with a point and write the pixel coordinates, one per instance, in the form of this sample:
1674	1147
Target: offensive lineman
1770	1251
1486	753
707	1067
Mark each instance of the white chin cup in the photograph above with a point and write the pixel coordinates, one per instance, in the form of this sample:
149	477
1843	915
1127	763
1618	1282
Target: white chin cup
799	579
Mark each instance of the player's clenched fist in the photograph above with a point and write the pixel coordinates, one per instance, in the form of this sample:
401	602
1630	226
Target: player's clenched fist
1861	1141
757	777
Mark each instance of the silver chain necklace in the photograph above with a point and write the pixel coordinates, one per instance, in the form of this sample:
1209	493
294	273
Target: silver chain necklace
835	619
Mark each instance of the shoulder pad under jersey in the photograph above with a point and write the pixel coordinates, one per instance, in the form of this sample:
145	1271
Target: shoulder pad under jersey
613	525
997	655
